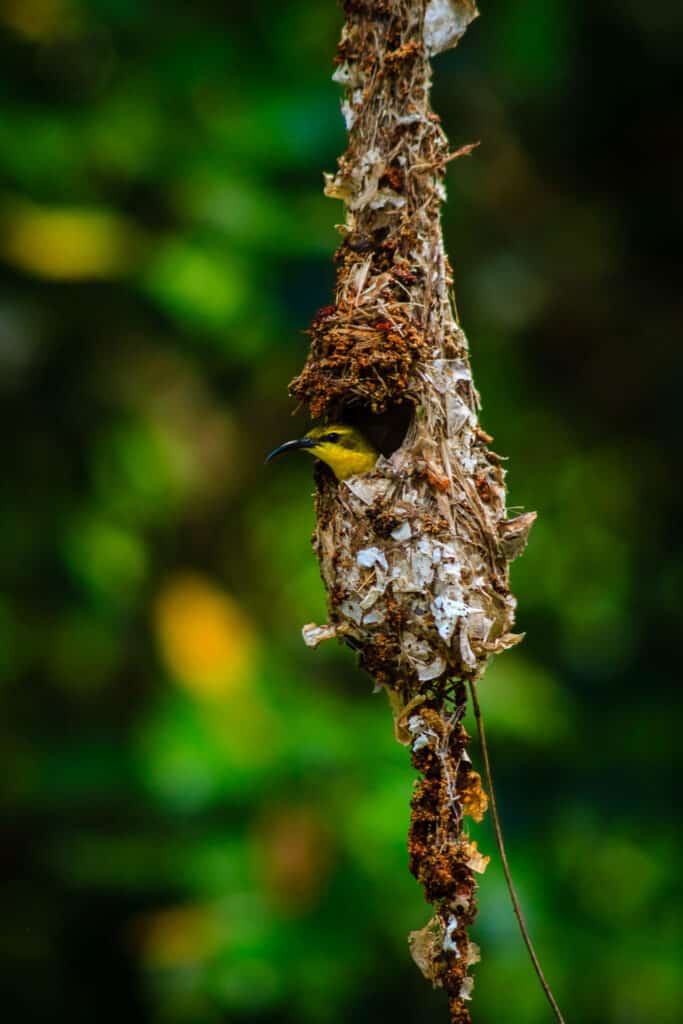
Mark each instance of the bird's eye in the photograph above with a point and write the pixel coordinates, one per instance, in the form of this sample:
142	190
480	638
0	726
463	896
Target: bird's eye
332	437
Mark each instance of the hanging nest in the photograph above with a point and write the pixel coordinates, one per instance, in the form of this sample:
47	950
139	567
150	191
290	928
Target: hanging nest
415	554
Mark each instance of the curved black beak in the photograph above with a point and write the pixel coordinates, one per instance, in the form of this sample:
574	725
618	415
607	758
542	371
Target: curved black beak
289	446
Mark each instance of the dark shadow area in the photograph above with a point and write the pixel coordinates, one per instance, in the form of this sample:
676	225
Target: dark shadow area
386	430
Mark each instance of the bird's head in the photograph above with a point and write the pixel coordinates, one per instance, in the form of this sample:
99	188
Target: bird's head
343	448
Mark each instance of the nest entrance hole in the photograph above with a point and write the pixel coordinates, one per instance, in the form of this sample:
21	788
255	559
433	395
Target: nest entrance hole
385	430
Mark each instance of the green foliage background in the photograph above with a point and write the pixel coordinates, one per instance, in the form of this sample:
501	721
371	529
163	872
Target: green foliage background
204	821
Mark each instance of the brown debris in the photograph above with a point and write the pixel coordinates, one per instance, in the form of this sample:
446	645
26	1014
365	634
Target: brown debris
356	358
514	534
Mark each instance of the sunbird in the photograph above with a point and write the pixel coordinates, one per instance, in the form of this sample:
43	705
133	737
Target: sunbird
343	448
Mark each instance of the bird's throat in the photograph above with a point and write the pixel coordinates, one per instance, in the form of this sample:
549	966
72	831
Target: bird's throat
344	462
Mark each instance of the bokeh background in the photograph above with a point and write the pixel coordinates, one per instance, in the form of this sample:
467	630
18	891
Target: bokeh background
203	821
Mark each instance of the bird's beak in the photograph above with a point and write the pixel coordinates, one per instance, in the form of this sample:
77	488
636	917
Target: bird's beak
290	446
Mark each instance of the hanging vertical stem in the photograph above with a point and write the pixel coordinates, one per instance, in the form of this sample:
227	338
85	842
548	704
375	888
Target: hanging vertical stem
500	842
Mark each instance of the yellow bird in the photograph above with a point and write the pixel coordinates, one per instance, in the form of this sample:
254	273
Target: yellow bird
343	448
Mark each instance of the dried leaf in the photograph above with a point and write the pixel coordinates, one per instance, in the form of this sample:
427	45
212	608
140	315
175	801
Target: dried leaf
473	858
402	713
503	643
473	954
465	150
425	945
314	635
475	802
466	987
514	534
446	22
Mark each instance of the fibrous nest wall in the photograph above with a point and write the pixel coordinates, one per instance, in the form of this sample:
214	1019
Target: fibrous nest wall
415	554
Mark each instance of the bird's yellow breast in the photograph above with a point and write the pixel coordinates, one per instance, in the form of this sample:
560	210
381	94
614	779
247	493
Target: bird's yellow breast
345	462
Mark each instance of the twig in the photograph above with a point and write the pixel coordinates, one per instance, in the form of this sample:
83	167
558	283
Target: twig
503	857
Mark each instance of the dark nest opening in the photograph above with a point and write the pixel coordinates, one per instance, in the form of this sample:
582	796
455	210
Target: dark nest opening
385	430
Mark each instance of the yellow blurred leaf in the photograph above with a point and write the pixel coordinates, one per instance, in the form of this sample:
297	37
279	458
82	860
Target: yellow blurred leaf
204	636
67	243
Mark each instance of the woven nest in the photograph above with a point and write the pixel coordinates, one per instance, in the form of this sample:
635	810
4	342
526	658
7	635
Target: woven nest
415	554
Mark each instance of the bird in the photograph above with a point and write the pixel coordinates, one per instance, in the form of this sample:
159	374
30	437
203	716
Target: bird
345	450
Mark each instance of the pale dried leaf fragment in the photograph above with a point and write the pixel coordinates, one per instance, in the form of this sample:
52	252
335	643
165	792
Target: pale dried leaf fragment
435	668
473	954
466	653
373	618
342	74
314	635
446	22
449	943
387	197
514	534
337	187
473	858
352	610
466	987
503	643
369	557
402	532
402	715
425	945
365	490
447	608
418	654
349	114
